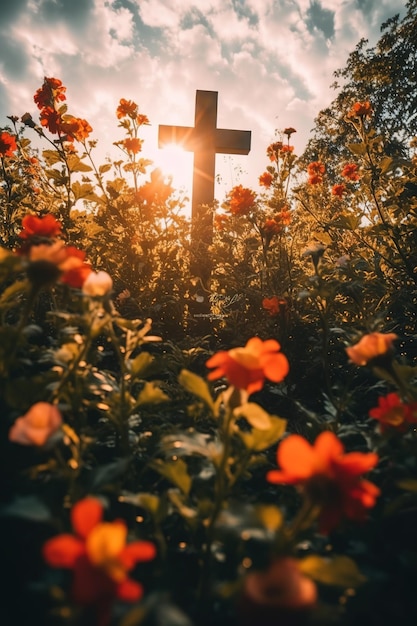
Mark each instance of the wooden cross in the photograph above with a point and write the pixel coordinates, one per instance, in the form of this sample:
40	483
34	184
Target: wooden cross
205	140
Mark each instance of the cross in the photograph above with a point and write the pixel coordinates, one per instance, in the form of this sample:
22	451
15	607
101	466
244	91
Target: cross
205	140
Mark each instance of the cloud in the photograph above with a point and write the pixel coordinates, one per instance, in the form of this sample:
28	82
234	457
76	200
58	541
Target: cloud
272	62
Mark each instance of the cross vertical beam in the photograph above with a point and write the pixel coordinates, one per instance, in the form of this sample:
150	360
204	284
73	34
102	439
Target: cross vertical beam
205	140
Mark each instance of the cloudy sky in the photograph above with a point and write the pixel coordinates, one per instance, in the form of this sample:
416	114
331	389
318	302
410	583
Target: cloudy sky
271	61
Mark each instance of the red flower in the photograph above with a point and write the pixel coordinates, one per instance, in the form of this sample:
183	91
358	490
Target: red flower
361	109
327	476
392	413
33	226
7	144
338	190
248	367
265	179
52	91
51	119
274	305
350	171
126	108
240	200
371	347
99	557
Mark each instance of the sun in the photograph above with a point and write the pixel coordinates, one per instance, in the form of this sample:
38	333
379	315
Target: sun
176	163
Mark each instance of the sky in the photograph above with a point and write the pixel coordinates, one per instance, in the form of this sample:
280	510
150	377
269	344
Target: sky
271	62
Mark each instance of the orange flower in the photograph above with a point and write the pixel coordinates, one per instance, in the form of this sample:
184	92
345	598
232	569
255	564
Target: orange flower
33	226
338	190
371	347
350	171
287	148
99	557
273	150
37	425
220	220
7	144
132	144
265	179
248	367
126	108
392	413
240	200
315	170
52	91
272	227
76	128
361	109
282	595
327	476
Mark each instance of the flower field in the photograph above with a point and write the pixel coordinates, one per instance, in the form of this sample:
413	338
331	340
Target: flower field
237	448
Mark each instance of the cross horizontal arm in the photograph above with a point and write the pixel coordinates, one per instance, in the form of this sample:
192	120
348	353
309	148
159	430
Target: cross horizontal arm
232	141
182	135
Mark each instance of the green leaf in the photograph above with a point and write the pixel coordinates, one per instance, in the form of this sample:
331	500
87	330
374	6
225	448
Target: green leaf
340	571
75	164
83	190
175	471
255	415
258	440
140	364
151	394
51	157
357	148
408	484
198	387
27	507
270	516
147	501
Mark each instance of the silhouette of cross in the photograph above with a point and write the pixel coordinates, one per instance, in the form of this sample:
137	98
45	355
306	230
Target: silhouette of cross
205	140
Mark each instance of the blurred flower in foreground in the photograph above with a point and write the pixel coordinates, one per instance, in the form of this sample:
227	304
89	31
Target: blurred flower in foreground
393	414
371	347
49	263
247	368
45	226
97	284
328	478
282	595
99	557
37	425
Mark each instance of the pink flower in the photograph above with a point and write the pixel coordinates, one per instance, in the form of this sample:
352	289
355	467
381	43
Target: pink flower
37	425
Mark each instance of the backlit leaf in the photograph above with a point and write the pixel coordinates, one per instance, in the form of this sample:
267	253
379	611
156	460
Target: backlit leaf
337	570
